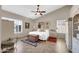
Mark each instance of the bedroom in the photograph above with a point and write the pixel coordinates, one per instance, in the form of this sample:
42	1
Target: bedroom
18	23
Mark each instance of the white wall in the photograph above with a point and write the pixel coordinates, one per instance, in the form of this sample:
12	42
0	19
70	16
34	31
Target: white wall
74	10
18	17
71	41
75	42
60	14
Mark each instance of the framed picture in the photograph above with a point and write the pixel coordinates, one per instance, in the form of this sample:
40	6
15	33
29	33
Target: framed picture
43	25
40	24
47	25
27	25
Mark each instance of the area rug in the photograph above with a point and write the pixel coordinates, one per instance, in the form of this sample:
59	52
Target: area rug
30	42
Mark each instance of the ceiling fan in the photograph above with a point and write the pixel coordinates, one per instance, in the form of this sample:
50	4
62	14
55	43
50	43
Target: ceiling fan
38	11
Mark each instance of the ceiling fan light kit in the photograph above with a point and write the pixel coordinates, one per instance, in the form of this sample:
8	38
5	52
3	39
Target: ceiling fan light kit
38	11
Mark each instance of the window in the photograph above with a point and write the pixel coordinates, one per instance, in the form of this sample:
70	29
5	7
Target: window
61	26
17	26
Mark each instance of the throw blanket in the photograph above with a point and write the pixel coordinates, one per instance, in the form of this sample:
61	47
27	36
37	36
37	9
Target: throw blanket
42	35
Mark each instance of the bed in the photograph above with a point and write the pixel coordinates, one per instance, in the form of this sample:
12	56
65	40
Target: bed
43	35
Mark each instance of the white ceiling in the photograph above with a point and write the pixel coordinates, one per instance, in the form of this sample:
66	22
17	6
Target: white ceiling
25	10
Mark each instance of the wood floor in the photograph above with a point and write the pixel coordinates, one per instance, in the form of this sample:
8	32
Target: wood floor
61	46
45	47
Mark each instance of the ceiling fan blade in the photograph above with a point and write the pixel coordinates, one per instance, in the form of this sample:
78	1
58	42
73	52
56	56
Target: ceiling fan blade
42	11
35	13
41	14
